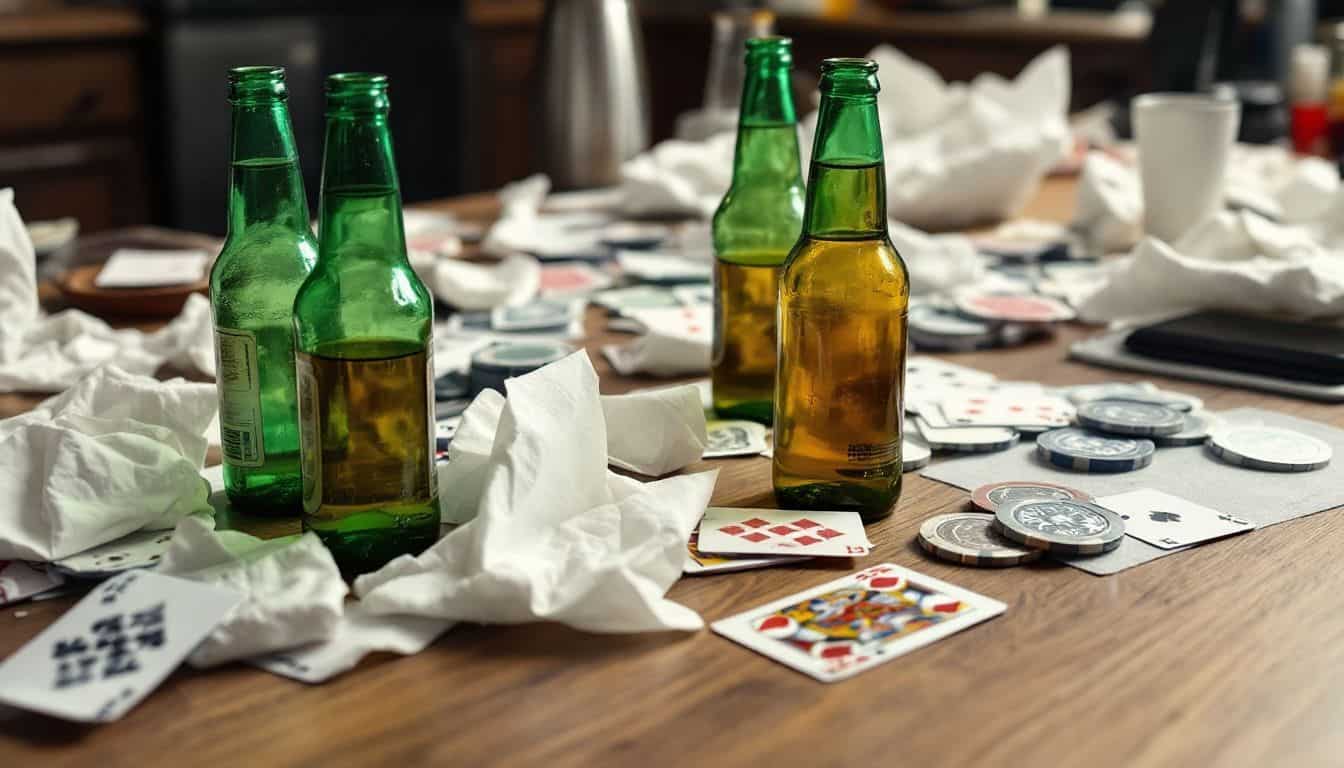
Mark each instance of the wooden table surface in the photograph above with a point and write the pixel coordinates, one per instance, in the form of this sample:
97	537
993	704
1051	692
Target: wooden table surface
1224	655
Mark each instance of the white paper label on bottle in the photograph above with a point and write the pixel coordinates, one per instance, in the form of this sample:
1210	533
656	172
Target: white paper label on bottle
310	445
239	397
432	427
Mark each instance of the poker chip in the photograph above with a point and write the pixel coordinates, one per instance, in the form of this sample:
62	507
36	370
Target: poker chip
491	366
991	496
1271	449
935	327
967	439
1085	451
1141	392
1195	432
1014	307
969	538
914	455
1130	417
1061	526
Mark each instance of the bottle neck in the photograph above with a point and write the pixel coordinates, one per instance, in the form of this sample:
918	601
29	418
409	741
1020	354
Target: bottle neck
847	188
767	132
265	186
361	198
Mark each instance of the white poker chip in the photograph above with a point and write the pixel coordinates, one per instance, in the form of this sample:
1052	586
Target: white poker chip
1130	417
1198	425
1271	449
968	538
914	455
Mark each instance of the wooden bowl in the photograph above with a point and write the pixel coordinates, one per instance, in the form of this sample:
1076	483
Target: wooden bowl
78	289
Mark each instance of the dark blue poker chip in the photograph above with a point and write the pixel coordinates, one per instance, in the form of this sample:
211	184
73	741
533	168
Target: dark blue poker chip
1084	451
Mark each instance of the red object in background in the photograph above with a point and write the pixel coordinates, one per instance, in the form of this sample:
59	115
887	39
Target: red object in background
1310	124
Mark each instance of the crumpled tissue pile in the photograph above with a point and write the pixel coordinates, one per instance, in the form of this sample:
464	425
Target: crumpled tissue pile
40	353
116	453
1282	253
554	536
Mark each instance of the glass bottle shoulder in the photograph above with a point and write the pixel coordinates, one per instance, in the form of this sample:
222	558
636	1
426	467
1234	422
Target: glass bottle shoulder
261	272
758	223
845	270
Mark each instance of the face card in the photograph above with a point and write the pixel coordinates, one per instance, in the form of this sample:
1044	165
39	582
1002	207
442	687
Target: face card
1170	522
730	531
141	549
1007	408
698	562
114	647
20	581
734	438
857	622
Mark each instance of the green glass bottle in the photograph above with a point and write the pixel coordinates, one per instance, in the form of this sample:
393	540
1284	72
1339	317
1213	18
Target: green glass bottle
363	323
268	253
842	309
754	228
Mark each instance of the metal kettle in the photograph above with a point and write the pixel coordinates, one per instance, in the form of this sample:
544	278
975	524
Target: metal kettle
595	108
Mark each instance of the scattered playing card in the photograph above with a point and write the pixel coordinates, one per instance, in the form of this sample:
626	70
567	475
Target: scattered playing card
1006	408
537	315
1168	521
635	297
734	438
928	378
136	268
698	562
731	531
571	280
690	295
659	267
141	549
20	581
114	647
857	622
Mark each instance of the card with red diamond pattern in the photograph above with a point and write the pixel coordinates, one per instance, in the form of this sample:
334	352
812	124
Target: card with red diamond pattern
839	629
733	531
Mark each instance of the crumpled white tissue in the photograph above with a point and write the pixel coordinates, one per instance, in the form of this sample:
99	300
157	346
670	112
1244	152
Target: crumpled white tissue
1234	261
512	281
652	432
522	227
294	594
938	264
40	353
558	536
959	154
1267	179
678	178
116	453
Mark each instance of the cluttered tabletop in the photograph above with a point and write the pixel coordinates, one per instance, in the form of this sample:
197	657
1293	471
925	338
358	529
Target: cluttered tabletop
1219	654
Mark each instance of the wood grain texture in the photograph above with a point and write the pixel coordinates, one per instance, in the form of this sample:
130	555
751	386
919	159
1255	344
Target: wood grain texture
1227	654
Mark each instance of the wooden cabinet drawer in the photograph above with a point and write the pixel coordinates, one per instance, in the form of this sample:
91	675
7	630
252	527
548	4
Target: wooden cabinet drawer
58	90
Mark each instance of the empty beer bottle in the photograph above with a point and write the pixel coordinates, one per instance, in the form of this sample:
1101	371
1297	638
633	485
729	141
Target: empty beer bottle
842	309
754	228
362	324
268	253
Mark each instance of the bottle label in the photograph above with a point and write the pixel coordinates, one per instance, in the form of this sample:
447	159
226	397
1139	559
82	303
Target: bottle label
310	446
879	454
239	397
433	426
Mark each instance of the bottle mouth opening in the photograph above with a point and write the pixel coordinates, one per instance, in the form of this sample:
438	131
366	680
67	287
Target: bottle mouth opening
256	82
357	92
769	51
849	77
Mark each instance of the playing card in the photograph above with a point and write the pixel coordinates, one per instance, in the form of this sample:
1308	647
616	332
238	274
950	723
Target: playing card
685	323
730	531
114	647
1168	521
734	438
841	628
1006	408
141	549
571	280
540	314
698	562
358	634
635	297
690	295
928	378
659	267
20	581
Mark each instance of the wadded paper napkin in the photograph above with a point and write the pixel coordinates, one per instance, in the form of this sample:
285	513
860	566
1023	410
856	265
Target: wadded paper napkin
114	454
40	353
558	536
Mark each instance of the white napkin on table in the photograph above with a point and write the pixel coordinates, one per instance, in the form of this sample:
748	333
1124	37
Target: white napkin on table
293	590
651	432
522	227
116	453
557	537
512	281
678	178
40	353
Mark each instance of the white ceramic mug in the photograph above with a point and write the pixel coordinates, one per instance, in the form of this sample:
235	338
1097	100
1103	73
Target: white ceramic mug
1184	142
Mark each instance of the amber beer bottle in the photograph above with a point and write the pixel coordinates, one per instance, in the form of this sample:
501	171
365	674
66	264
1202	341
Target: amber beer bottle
362	324
842	309
754	228
268	253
